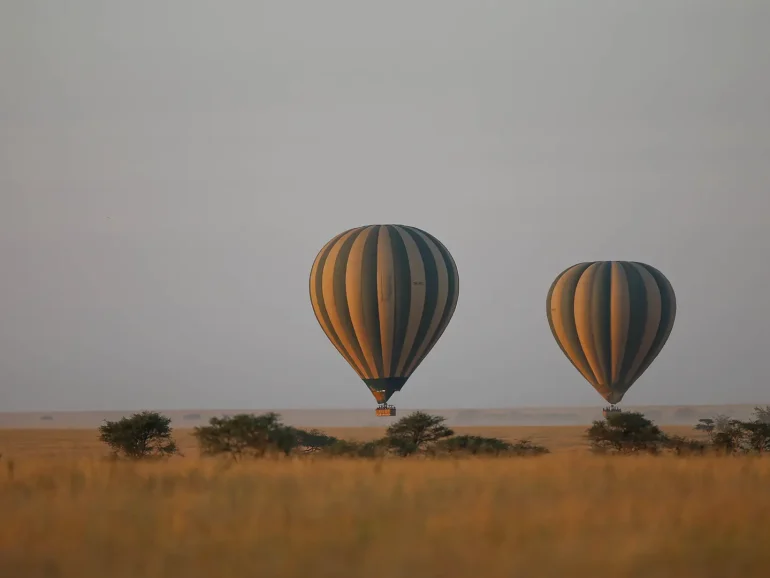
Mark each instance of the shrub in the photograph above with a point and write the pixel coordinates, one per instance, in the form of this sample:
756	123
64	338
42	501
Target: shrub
527	447
719	423
415	432
626	433
732	436
313	440
473	445
743	437
142	435
355	449
488	446
683	446
257	436
762	414
242	435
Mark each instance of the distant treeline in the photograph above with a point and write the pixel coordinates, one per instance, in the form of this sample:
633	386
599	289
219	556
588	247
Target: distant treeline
248	436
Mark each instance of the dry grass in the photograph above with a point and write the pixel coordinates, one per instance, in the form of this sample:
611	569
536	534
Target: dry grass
67	513
568	515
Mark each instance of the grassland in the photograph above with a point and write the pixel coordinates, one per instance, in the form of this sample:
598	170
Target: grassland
84	443
68	513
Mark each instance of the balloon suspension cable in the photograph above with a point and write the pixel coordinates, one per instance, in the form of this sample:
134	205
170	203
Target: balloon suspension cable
612	408
385	410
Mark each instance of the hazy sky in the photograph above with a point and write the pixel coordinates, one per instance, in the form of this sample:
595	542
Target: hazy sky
169	170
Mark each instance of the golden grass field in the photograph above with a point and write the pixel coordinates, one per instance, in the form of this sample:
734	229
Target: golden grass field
68	513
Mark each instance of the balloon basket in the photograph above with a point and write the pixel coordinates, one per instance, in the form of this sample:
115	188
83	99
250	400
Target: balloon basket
385	411
610	410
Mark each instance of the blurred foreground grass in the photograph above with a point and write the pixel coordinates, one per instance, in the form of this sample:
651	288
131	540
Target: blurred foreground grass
562	515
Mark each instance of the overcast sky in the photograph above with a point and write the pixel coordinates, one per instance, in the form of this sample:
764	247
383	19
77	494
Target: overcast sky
169	170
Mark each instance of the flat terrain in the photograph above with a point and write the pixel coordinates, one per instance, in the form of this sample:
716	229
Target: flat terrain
84	443
70	513
568	514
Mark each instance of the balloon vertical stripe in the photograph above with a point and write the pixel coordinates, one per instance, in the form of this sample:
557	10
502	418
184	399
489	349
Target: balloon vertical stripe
319	303
369	299
560	315
386	303
449	268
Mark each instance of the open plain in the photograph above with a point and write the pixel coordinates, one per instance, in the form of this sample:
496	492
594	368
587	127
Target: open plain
74	443
69	512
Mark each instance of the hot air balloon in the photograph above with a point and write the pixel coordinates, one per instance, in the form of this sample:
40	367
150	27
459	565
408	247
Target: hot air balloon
611	319
383	295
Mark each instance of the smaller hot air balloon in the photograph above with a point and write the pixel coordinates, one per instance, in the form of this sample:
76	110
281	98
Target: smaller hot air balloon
383	295
611	319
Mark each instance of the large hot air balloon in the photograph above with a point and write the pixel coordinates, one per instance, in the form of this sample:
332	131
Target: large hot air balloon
611	319
384	294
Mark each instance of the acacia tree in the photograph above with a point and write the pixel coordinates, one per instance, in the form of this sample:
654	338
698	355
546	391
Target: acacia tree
243	435
752	436
489	446
415	432
474	445
762	414
142	435
733	436
357	449
626	433
314	440
249	435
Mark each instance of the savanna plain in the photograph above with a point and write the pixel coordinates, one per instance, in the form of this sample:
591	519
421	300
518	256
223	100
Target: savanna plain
68	512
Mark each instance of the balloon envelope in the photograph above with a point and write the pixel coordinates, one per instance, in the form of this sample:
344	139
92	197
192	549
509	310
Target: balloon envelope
384	294
611	319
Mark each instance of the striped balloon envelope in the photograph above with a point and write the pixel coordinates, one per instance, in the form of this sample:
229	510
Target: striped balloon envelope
611	319
384	294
